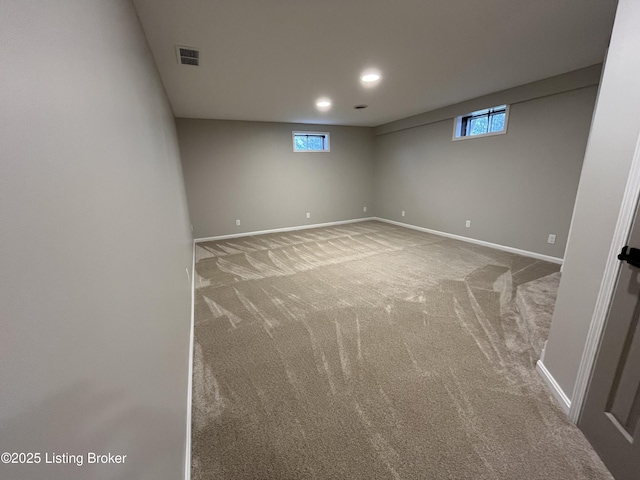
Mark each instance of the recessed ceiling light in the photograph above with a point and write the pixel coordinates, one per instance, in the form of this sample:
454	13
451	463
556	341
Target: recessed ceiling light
323	104
370	77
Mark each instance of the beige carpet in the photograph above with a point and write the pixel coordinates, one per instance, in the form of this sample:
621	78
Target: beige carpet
370	351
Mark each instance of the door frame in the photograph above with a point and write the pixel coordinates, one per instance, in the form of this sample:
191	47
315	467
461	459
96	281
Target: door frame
596	328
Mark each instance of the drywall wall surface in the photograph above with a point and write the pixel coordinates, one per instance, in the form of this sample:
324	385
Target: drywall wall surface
248	171
516	188
94	243
583	77
610	150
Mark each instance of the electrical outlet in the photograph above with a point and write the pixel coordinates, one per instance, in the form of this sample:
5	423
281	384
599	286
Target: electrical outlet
403	213
552	238
364	209
467	223
238	223
308	215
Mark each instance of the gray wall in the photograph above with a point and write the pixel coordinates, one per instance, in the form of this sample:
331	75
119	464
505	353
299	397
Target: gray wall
516	188
94	242
611	147
248	171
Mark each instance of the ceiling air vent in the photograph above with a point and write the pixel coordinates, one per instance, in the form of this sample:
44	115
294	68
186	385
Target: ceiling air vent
188	56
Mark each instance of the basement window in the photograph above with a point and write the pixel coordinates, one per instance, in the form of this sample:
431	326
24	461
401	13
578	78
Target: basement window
310	141
481	123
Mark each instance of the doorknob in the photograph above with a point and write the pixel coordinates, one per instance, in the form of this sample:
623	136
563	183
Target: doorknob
630	255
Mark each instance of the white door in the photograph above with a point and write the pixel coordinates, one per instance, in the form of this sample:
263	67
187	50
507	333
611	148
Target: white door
610	418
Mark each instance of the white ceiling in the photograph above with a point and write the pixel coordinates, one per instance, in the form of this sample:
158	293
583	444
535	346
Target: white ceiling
270	59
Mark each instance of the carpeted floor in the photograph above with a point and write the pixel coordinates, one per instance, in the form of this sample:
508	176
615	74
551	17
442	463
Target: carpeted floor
370	351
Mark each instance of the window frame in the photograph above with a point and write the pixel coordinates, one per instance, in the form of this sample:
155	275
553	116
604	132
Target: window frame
457	124
326	136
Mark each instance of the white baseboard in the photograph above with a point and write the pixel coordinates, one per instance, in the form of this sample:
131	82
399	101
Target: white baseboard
525	253
187	455
517	251
280	230
556	391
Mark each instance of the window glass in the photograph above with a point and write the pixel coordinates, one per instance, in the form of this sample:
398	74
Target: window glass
301	142
489	121
310	141
478	126
315	142
497	122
